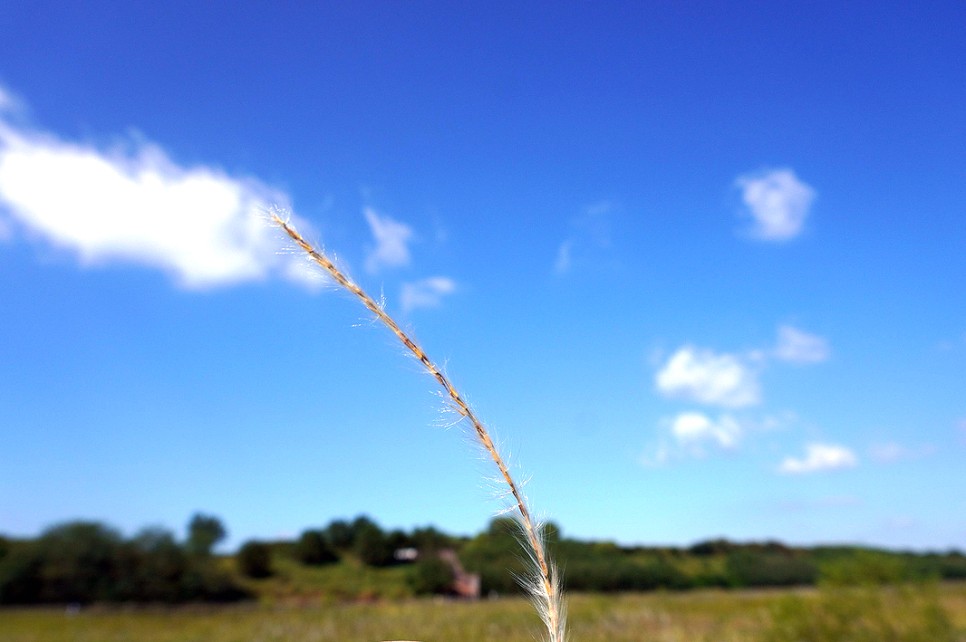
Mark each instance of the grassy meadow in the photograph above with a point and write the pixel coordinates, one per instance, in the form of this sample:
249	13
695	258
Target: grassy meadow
695	616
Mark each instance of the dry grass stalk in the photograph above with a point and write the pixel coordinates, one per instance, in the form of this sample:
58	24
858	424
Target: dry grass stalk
543	585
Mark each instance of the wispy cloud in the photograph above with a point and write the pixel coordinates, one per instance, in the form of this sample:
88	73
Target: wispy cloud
426	293
708	377
131	203
693	435
777	202
564	260
392	242
891	452
8	102
693	428
590	236
819	457
798	346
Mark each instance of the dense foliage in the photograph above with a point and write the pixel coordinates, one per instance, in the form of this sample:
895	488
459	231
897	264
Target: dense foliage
255	560
431	576
86	562
314	549
82	562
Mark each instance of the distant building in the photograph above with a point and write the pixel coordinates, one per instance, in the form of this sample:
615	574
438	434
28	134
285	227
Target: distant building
408	554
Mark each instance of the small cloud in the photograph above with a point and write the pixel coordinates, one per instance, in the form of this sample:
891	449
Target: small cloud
392	238
797	346
709	378
819	457
132	204
426	293
777	201
691	435
692	428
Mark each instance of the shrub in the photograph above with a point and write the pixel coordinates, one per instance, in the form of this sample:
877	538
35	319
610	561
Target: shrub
431	576
313	549
255	559
160	566
371	546
864	598
745	567
20	580
340	535
81	562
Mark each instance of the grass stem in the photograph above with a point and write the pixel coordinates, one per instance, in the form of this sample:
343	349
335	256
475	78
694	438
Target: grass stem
544	585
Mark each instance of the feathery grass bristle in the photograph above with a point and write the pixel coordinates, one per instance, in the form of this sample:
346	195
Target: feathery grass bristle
543	581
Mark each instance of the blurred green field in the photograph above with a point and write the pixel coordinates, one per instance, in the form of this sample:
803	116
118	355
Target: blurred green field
696	616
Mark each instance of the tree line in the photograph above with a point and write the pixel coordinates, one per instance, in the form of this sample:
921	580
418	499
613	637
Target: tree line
82	562
87	562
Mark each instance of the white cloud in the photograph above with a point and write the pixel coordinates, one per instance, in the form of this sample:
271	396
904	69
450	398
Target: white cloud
133	204
693	434
392	238
819	457
777	201
797	346
691	428
426	293
710	378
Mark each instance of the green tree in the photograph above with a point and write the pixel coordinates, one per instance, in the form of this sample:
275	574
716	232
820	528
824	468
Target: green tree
161	566
495	555
429	540
20	575
255	559
431	576
313	549
204	531
81	562
371	545
340	534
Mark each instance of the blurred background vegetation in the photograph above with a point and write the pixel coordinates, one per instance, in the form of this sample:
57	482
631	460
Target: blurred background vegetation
86	562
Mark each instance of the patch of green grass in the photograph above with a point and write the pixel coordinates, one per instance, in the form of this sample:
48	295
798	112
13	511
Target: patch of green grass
348	580
696	616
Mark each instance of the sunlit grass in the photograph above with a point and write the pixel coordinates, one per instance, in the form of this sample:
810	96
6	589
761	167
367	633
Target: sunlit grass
697	616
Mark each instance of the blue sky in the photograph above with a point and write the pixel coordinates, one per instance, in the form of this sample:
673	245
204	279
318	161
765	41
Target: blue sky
700	267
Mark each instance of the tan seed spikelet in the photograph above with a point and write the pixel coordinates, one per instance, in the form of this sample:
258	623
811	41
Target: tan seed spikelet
543	583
